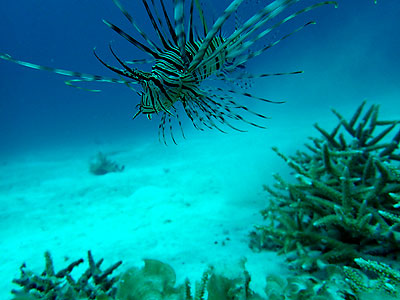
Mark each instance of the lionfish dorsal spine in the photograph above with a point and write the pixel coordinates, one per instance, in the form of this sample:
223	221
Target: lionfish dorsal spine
169	24
138	29
154	24
180	26
212	33
130	39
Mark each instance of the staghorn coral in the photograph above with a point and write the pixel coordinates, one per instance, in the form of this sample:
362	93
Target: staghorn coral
378	280
154	281
157	281
343	202
50	285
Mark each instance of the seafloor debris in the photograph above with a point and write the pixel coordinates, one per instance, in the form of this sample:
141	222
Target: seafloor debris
50	285
343	203
102	165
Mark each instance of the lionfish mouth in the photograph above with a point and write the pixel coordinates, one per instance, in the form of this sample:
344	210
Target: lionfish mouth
194	70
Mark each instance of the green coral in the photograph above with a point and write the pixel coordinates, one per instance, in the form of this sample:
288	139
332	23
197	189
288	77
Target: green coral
156	281
50	285
343	203
378	279
305	286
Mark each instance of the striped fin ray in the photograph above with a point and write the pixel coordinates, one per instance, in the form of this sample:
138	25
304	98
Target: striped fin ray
139	61
131	20
242	59
206	110
234	105
248	95
212	33
130	39
128	72
180	26
201	115
160	22
169	25
222	113
161	130
243	47
163	126
264	15
193	110
267	13
131	73
170	129
154	23
254	76
201	14
82	77
179	121
190	36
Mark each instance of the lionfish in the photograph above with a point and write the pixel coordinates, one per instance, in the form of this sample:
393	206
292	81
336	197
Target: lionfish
182	60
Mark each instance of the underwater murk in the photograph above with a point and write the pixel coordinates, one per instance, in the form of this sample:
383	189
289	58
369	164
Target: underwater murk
184	224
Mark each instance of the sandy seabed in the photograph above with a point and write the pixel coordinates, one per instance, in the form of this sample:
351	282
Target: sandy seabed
189	205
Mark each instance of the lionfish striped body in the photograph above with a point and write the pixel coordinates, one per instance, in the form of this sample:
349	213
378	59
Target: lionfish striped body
182	61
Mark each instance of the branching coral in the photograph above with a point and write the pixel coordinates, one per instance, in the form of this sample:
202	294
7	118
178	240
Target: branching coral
50	285
343	203
382	279
154	281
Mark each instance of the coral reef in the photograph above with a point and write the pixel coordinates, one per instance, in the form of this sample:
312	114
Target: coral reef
102	165
343	203
378	280
50	285
305	286
156	280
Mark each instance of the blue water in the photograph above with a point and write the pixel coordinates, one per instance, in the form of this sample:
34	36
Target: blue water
351	54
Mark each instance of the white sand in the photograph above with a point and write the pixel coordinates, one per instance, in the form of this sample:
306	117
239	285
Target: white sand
189	205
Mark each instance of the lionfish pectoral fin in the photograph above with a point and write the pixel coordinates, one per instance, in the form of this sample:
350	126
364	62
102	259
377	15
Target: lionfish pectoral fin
80	77
137	113
203	20
5	56
168	112
71	84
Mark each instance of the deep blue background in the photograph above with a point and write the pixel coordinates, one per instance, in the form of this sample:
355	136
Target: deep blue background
351	54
